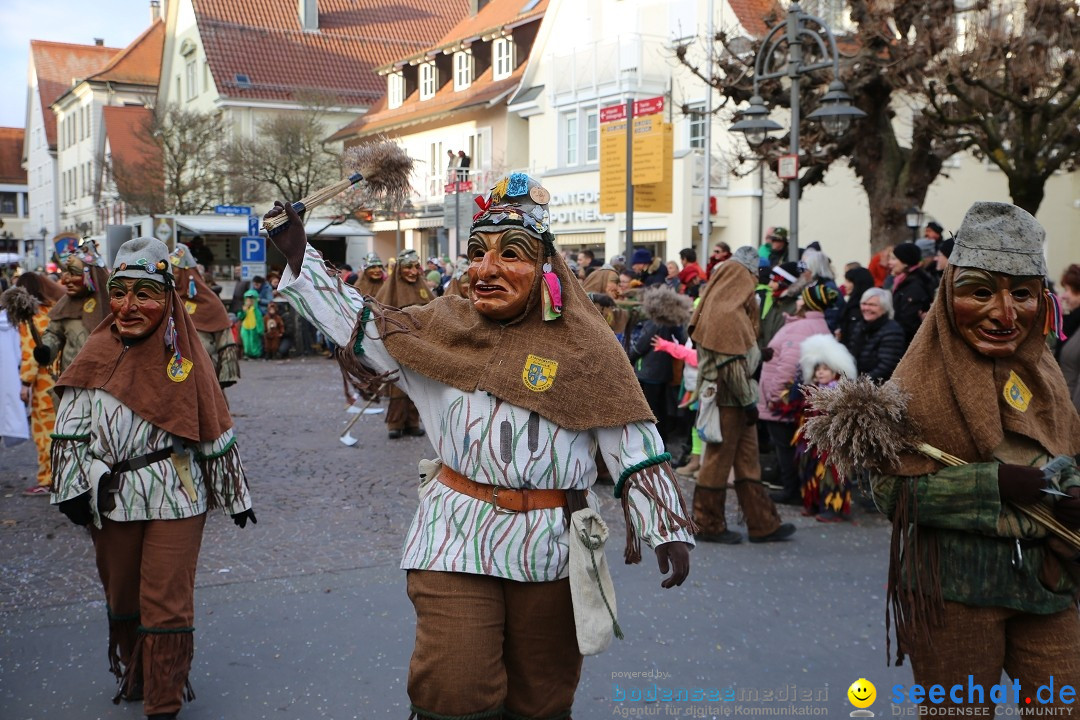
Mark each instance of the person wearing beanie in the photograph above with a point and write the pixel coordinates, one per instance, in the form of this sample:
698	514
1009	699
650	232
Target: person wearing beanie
144	448
941	259
724	328
777	299
981	579
522	387
650	271
857	281
778	245
912	288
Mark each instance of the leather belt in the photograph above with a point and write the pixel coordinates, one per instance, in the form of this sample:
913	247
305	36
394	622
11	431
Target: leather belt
505	500
142	461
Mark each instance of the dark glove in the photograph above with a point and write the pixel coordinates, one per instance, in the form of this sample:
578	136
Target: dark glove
1067	510
1020	484
289	238
751	414
767	354
678	553
241	518
77	509
42	355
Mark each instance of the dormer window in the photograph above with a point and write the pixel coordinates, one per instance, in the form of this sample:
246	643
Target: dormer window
395	89
428	80
502	53
463	69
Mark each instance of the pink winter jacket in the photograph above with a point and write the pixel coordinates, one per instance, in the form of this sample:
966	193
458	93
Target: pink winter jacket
781	370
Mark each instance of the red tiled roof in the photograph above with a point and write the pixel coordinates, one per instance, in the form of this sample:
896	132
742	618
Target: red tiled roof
57	66
495	15
482	91
11	146
263	40
136	159
140	62
752	14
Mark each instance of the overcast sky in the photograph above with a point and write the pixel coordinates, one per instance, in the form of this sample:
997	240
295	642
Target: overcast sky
72	21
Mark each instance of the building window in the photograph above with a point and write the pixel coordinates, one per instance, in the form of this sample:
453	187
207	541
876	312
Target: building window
395	89
570	123
592	136
463	69
502	52
696	120
428	80
192	81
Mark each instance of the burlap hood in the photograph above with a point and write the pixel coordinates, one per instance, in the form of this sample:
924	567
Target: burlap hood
726	317
395	292
205	307
92	308
571	371
959	396
599	279
367	286
189	405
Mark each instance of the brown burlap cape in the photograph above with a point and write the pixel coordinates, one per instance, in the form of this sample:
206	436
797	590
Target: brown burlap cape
957	395
599	279
726	318
395	292
69	308
194	409
209	315
592	382
367	286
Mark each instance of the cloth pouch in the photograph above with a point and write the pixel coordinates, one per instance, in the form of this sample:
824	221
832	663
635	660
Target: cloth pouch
591	589
708	416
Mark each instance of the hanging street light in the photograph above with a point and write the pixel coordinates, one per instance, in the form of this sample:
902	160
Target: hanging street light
782	48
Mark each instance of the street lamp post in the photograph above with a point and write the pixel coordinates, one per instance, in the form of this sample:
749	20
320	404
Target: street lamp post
836	111
913	218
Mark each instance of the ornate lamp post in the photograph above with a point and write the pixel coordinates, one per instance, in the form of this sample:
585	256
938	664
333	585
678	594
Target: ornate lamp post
836	112
913	219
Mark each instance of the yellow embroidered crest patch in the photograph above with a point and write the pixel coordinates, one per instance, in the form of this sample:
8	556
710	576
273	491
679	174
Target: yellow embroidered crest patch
89	305
190	307
424	293
178	371
539	373
1016	392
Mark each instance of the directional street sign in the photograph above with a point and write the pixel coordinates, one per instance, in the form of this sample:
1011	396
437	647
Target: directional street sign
253	225
252	249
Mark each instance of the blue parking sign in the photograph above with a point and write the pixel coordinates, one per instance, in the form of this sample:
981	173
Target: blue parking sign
253	225
252	249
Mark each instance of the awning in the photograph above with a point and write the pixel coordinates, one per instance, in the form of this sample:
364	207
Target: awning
647	236
408	223
238	225
591	238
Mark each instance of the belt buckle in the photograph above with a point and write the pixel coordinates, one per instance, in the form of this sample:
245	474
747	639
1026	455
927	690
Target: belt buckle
495	503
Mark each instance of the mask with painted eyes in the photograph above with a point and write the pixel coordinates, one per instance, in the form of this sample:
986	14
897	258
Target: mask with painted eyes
995	312
502	272
138	306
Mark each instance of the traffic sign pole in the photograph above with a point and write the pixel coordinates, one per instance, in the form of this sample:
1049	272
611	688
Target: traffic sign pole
629	251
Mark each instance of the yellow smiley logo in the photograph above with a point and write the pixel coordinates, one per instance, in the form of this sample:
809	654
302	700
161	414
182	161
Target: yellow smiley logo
862	693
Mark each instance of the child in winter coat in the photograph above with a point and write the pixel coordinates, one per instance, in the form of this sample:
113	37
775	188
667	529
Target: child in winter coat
826	492
274	329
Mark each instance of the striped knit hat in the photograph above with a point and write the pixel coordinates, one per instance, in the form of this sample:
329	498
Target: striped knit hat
819	297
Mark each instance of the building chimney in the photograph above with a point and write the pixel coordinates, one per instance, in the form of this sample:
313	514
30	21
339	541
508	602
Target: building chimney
155	11
99	42
309	15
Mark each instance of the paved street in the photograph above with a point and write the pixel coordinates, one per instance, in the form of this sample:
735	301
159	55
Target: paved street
305	614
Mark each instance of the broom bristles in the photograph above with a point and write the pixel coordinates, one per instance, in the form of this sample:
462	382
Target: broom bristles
860	424
21	306
386	168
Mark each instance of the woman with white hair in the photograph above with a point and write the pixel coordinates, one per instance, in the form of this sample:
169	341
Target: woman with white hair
879	342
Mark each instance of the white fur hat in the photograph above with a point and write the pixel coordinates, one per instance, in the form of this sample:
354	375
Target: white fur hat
825	349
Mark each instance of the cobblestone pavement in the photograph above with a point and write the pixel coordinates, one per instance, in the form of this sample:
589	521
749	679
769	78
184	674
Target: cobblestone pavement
305	616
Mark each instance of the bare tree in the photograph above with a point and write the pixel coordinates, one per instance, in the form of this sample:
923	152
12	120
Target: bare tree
179	168
288	158
884	59
1011	90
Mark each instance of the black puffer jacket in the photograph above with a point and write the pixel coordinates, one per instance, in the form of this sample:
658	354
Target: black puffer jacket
912	297
878	347
667	313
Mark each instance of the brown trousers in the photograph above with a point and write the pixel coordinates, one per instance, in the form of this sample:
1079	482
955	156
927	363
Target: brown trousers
983	641
148	571
401	413
738	450
485	645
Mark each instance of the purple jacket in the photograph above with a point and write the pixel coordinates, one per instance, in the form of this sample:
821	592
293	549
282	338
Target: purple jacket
781	370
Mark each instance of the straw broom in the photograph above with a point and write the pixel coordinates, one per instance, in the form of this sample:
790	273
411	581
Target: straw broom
383	167
865	425
21	307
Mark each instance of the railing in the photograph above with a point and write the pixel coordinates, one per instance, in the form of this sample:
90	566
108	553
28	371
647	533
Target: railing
626	63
